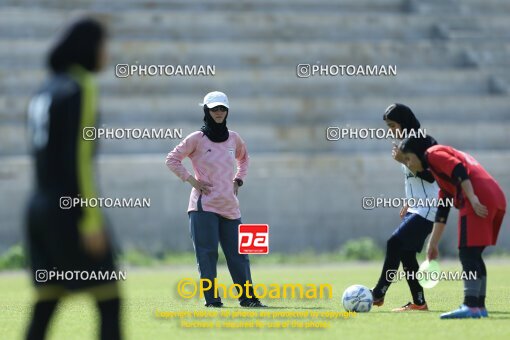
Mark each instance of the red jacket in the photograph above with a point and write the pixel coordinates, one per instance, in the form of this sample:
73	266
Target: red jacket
443	159
472	229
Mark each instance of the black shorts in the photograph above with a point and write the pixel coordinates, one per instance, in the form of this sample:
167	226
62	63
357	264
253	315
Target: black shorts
53	244
413	231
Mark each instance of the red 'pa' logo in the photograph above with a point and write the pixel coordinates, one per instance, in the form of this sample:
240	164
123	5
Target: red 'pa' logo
253	239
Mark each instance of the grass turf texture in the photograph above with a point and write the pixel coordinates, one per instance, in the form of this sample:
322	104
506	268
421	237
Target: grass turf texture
148	290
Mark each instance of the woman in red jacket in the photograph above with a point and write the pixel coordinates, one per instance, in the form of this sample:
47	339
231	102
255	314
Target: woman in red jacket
481	205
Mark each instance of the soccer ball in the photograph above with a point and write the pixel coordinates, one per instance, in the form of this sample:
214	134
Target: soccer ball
357	298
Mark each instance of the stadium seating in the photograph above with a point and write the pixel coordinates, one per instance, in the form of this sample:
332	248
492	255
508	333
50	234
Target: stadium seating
452	59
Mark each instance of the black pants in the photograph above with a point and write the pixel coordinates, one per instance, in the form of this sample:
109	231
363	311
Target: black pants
395	253
42	312
53	243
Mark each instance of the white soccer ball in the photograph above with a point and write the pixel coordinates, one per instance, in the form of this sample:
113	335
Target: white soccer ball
357	298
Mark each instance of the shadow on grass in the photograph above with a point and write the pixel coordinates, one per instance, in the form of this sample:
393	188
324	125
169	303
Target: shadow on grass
492	315
270	307
498	315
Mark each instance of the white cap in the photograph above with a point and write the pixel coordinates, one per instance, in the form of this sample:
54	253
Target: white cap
216	98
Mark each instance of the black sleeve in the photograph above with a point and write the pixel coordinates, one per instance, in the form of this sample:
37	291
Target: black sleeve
426	176
442	214
459	173
70	115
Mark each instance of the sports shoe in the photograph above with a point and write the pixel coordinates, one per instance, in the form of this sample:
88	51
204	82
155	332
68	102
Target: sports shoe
483	312
252	303
217	304
377	301
464	312
411	307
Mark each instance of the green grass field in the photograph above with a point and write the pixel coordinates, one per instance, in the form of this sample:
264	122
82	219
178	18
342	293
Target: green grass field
148	290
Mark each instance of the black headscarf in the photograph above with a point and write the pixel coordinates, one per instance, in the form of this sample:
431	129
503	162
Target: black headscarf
418	146
403	115
79	44
216	132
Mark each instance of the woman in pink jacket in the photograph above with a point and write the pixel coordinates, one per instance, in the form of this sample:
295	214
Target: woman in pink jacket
213	205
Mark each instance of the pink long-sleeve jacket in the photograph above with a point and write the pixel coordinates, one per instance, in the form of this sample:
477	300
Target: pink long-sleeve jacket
215	163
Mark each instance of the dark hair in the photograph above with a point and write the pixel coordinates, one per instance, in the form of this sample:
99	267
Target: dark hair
403	115
78	44
418	146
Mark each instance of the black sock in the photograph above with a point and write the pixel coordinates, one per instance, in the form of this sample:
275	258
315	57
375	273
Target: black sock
471	260
42	312
471	301
110	319
411	267
481	301
483	288
391	264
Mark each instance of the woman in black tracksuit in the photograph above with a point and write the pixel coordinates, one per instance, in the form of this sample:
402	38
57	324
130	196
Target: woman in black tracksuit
61	237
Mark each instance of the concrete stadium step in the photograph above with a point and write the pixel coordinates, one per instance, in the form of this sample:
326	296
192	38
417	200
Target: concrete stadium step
27	54
281	110
381	6
282	81
289	110
203	7
432	6
494	7
501	83
493	29
487	57
224	25
221	25
296	137
466	7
